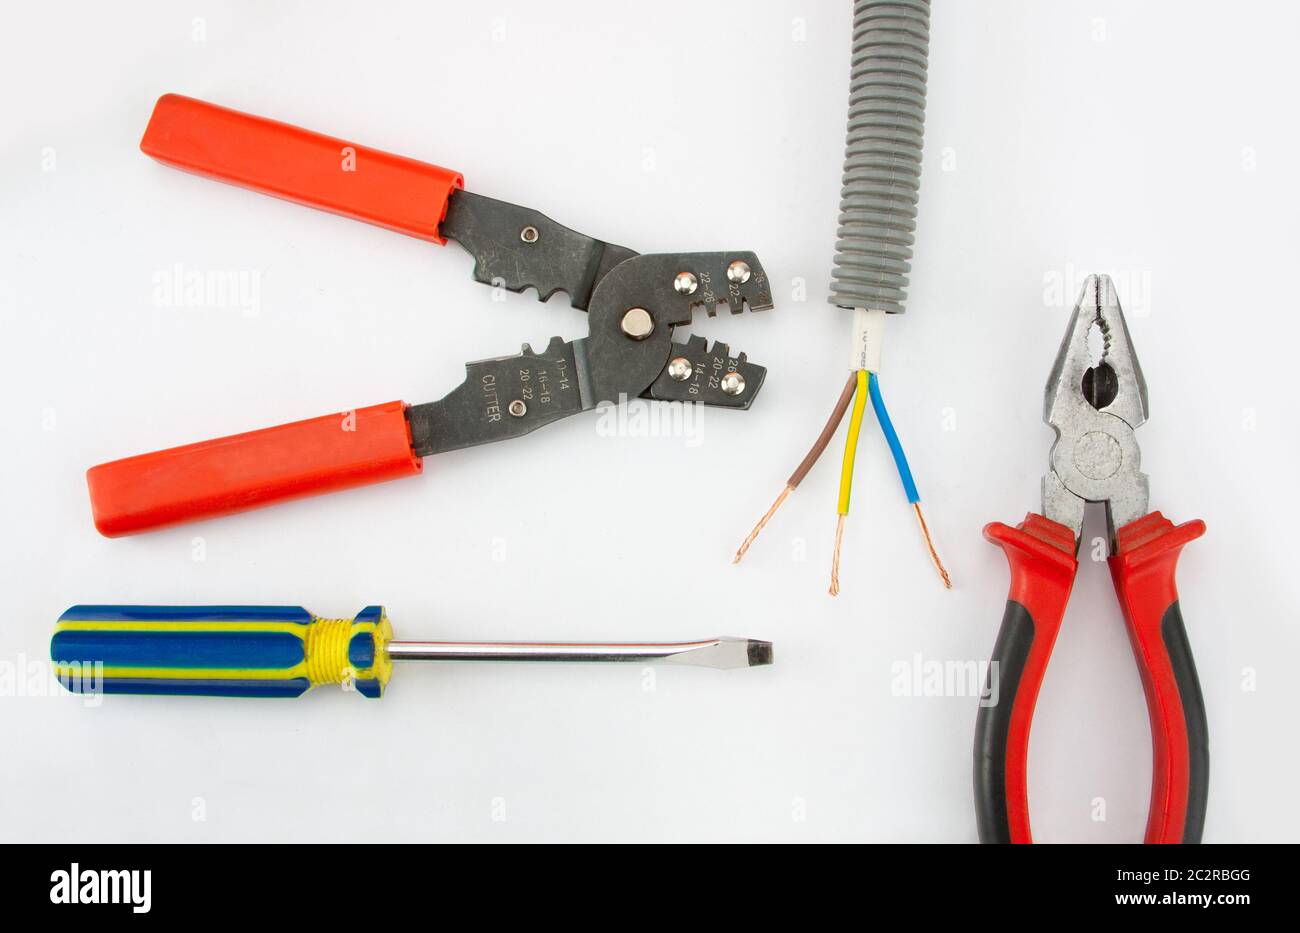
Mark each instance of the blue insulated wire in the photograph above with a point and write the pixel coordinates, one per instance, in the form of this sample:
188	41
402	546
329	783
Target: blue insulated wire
891	437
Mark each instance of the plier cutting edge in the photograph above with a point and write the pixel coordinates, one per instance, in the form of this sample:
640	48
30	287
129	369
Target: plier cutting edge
1094	410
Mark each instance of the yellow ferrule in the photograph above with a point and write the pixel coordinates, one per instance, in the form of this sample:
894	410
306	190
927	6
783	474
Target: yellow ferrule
327	651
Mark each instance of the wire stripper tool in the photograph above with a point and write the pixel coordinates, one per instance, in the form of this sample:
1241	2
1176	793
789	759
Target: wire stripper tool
1094	410
633	303
284	651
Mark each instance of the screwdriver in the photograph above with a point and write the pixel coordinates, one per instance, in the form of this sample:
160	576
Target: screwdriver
284	651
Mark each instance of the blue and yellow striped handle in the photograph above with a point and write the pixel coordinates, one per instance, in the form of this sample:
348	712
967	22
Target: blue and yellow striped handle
242	651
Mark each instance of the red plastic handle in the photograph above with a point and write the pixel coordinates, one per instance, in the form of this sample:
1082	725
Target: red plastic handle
244	471
1043	567
296	164
1041	554
1143	569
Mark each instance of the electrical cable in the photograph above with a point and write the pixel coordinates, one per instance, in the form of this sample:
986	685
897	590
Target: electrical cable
814	454
905	475
895	446
828	432
862	380
879	193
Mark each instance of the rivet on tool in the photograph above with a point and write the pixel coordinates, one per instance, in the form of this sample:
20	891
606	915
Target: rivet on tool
638	324
528	234
733	383
686	283
680	368
517	408
1097	455
738	272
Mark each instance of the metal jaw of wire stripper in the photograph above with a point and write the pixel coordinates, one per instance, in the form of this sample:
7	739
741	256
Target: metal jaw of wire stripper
634	306
633	302
1094	409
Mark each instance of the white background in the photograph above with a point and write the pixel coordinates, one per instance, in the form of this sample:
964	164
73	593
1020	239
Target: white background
1154	141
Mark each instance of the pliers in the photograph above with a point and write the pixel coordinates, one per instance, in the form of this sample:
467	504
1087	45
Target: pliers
633	304
1094	410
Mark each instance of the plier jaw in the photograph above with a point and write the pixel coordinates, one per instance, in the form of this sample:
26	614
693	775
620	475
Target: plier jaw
1094	405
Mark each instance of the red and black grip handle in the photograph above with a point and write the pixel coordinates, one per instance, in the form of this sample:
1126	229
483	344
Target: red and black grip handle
1143	568
299	165
1043	567
1041	555
245	471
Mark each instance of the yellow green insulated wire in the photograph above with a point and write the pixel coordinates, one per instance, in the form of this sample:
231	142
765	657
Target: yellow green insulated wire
851	441
846	470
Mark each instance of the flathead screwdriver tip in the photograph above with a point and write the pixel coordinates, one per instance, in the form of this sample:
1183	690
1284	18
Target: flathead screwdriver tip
760	653
724	653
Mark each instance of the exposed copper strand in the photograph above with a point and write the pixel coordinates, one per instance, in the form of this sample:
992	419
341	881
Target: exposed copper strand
835	557
762	522
929	544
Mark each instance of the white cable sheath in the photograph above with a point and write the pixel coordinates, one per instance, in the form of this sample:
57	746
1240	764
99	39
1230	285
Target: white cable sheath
868	337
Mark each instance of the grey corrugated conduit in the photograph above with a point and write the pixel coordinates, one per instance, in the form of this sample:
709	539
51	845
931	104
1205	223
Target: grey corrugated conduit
882	160
873	249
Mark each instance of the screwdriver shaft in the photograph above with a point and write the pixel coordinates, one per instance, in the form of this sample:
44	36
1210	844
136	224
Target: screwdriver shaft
713	652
